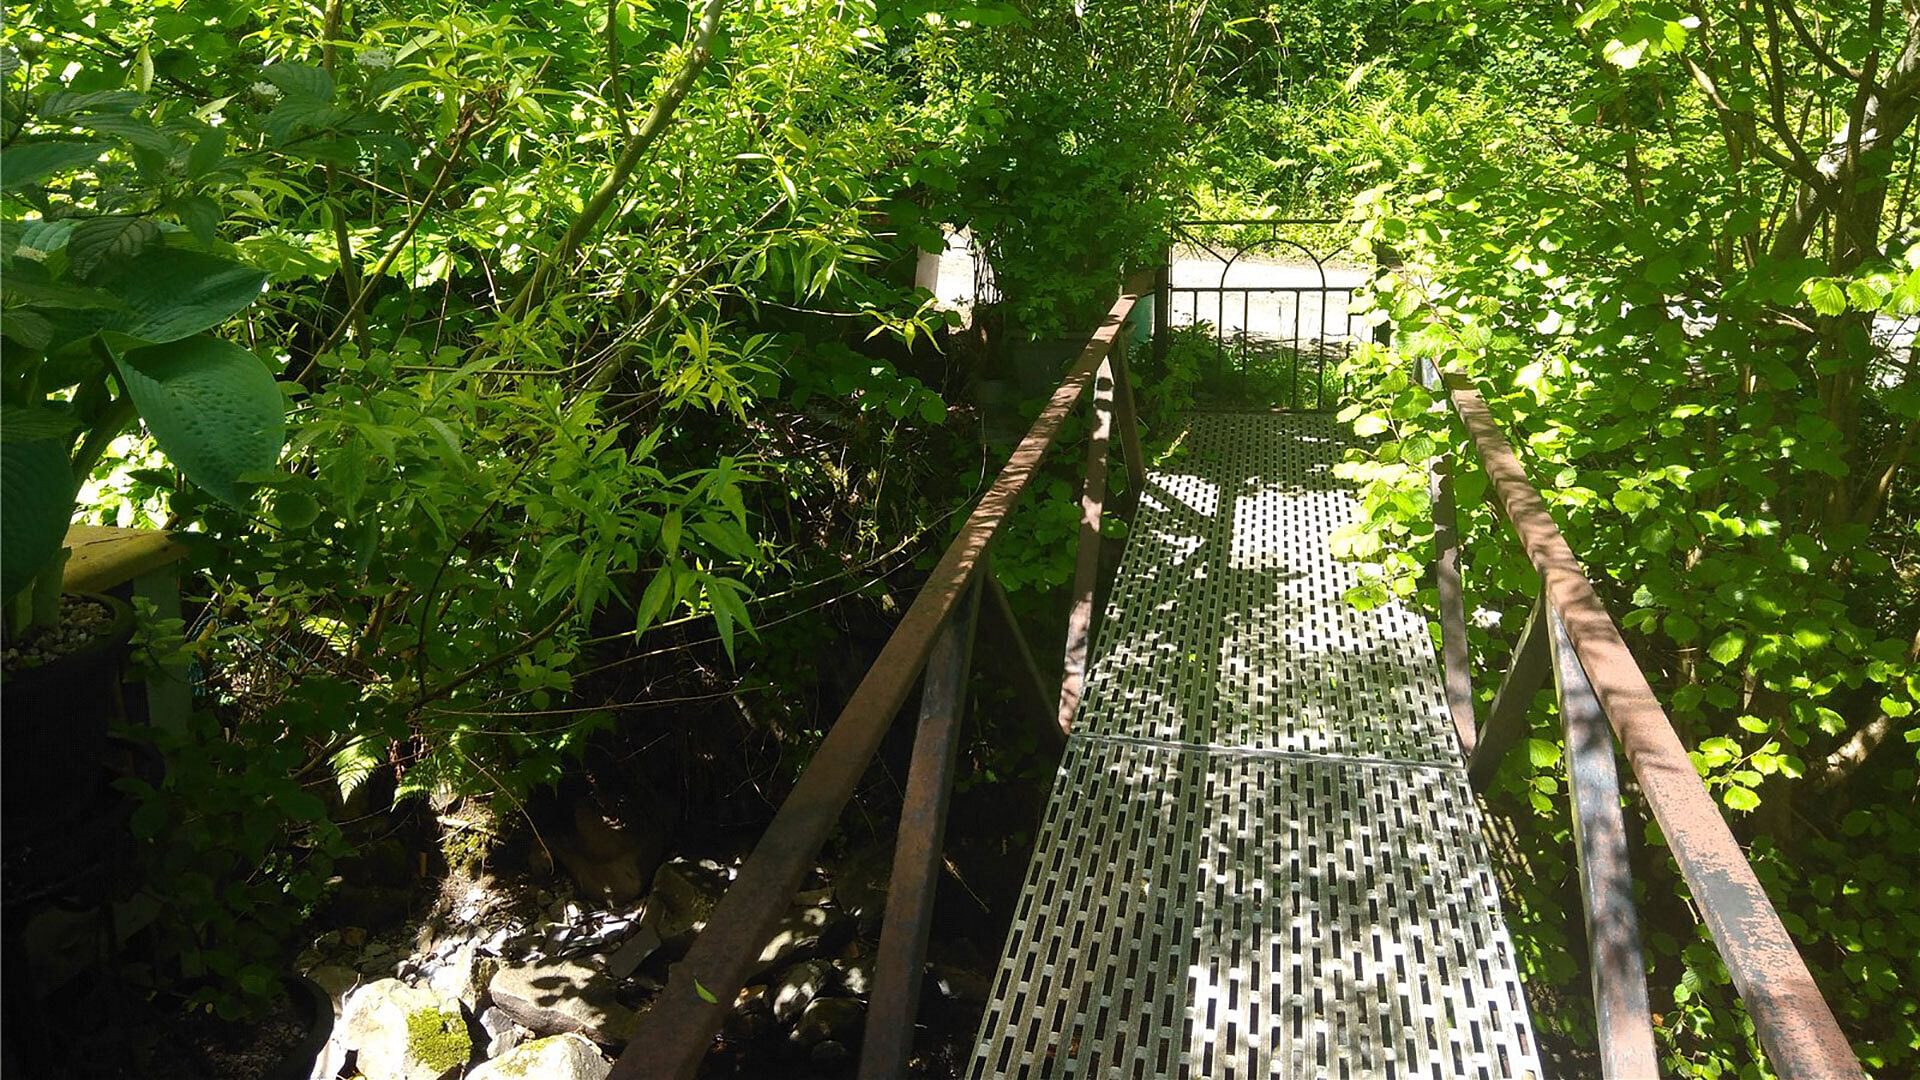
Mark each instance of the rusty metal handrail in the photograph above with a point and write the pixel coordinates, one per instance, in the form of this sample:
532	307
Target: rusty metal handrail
1571	632
676	1032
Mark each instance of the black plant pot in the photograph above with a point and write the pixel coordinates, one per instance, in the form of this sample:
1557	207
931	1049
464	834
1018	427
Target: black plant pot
311	997
55	721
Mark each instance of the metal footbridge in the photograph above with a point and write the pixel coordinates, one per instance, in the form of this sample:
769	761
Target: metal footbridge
1261	857
1264	855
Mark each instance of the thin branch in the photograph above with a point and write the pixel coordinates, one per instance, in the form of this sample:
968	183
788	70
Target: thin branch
1813	45
460	134
602	198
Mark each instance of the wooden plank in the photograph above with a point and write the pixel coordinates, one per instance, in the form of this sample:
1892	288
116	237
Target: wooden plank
104	557
1086	573
1507	720
895	1000
1623	1015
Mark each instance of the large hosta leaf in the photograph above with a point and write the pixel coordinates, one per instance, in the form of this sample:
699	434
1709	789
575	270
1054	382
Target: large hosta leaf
168	294
36	496
212	406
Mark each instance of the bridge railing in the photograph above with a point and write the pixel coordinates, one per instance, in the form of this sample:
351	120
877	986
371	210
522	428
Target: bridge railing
1599	685
931	645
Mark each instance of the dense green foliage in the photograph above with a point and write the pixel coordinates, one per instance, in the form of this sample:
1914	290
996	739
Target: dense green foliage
1663	255
585	409
608	395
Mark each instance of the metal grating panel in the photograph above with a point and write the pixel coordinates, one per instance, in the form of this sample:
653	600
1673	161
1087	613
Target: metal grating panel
1261	857
1228	626
1206	914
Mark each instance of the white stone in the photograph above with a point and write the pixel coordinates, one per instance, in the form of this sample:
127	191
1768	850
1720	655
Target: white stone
502	1033
559	1057
550	997
797	989
376	1025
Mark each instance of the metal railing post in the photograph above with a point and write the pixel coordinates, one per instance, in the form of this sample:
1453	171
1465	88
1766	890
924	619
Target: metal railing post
1086	573
1791	1019
1042	700
1128	419
1623	1017
1163	307
1507	719
674	1034
895	999
1455	673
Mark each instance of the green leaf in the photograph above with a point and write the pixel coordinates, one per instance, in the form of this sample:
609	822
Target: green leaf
1369	424
212	406
36	502
670	533
299	804
201	216
67	102
706	995
17	286
1727	647
356	761
207	153
137	130
108	240
1740	798
1811	636
295	509
288	117
148	818
171	293
1594	13
26	163
22	423
1623	54
1826	296
29	329
1543	754
654	599
933	410
1864	296
300	80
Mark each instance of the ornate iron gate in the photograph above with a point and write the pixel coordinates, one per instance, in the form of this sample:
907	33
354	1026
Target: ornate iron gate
1276	305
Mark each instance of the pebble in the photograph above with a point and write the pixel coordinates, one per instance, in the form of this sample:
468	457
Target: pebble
80	621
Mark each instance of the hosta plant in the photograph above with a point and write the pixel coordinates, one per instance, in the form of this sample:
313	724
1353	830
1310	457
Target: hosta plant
107	313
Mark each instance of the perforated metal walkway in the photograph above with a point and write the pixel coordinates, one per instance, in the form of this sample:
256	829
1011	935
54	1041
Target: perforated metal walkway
1261	857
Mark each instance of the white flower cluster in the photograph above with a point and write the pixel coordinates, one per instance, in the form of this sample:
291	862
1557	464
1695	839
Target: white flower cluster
375	59
266	91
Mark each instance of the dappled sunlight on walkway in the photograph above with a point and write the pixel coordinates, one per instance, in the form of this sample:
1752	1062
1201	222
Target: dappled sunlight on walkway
1262	858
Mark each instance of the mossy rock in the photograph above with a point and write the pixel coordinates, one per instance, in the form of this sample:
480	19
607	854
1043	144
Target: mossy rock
403	1032
438	1039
